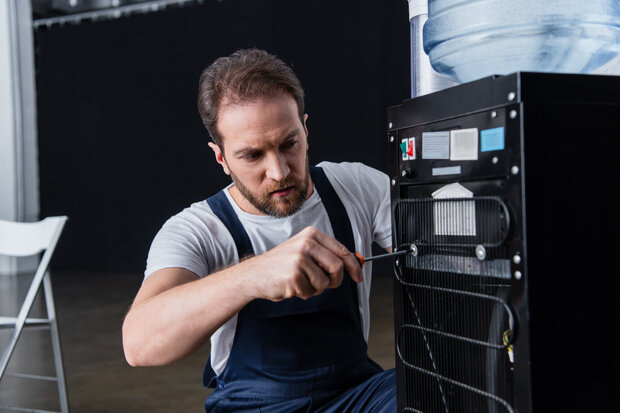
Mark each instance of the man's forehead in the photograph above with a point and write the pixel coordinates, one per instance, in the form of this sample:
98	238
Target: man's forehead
258	122
244	143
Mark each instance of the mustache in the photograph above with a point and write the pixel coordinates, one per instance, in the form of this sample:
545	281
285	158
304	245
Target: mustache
279	185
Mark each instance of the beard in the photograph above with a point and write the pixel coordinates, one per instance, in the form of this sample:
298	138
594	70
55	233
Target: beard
278	207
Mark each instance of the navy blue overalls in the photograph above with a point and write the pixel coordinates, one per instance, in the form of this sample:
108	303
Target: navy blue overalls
300	355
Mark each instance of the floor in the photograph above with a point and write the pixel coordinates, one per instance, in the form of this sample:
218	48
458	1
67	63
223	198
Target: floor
90	310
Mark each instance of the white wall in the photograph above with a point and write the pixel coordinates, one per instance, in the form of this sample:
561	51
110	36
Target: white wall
7	121
19	191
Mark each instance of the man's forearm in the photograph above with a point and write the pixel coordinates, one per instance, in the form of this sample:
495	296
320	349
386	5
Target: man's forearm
168	325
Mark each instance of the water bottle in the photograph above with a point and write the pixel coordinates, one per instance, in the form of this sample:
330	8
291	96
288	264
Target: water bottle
424	79
471	39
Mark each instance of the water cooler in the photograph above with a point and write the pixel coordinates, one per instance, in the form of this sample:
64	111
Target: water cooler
504	192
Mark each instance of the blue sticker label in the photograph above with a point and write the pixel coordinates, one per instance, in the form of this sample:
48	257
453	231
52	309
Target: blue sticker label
492	139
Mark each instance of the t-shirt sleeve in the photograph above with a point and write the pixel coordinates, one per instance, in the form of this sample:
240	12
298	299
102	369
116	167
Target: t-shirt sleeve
172	248
193	240
376	192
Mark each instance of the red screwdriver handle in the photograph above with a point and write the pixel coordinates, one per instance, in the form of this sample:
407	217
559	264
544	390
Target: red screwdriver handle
360	259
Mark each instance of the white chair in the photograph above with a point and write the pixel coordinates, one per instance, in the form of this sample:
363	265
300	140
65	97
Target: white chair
21	239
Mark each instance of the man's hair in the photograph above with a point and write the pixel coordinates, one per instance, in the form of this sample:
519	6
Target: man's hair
244	76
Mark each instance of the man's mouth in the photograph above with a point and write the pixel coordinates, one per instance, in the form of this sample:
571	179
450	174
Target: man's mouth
282	192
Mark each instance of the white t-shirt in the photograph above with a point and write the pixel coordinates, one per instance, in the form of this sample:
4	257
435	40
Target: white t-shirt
196	240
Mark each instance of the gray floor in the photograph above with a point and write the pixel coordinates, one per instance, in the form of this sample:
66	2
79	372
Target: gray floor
90	310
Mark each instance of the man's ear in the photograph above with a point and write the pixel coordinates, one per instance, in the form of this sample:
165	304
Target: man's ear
219	157
306	129
305	126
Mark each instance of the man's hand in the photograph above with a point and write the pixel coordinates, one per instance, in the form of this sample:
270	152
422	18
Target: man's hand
303	266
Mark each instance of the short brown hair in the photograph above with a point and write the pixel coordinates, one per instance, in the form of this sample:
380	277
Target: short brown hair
244	76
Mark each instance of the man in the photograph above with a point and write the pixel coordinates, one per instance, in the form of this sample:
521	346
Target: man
264	268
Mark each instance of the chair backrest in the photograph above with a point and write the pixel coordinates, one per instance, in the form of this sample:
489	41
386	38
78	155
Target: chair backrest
20	239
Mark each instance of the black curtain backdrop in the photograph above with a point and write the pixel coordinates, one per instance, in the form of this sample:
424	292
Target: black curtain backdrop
121	145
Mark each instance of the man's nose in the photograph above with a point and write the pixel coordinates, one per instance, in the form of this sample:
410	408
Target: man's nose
277	168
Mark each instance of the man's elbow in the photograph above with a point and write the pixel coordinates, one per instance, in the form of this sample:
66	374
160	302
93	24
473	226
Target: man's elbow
132	354
142	352
133	348
132	360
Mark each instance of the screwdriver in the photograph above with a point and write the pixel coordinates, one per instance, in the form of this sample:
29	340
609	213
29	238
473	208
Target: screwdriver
363	260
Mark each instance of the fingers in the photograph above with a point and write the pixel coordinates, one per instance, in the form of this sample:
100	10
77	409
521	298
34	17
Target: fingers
332	256
324	268
304	266
307	278
301	287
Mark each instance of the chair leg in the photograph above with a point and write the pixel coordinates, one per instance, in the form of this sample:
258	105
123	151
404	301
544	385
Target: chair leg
51	314
20	320
6	355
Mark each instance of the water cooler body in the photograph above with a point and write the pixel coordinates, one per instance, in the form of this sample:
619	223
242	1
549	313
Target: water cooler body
504	190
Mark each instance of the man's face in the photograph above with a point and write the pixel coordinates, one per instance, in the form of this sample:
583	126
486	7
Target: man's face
265	152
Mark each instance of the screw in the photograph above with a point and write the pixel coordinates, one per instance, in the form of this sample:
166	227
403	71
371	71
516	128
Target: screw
390	125
518	275
516	259
391	139
514	170
511	96
393	182
513	114
495	160
494	114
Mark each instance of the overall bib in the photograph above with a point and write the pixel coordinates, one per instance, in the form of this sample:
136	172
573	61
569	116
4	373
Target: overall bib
298	355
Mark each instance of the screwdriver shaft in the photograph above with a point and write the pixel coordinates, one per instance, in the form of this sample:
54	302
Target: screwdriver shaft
363	260
391	254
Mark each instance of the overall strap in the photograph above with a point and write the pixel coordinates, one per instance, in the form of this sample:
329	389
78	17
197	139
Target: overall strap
223	209
335	209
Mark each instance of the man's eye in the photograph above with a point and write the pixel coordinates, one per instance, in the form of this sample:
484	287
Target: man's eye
289	144
251	156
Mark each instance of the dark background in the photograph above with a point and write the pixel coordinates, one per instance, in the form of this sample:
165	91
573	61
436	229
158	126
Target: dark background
121	145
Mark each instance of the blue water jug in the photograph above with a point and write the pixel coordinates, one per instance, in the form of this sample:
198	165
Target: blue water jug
470	39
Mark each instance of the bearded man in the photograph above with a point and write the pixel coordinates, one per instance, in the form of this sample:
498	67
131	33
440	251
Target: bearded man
264	268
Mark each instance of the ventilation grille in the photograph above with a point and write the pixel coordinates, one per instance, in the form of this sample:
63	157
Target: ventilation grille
454	341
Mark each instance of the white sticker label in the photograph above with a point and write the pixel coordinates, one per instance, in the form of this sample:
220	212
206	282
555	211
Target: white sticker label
436	145
464	144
